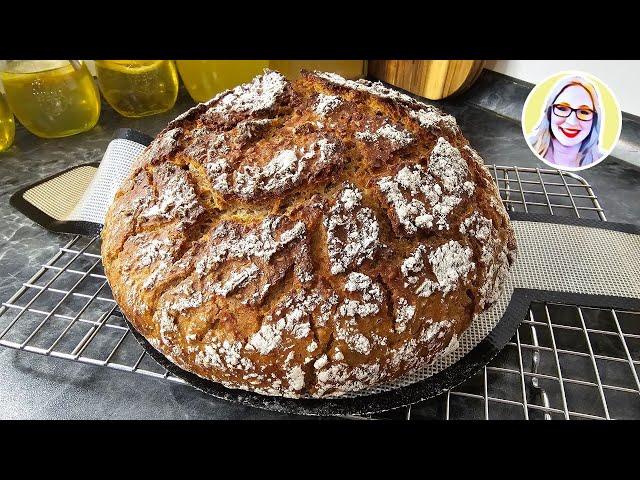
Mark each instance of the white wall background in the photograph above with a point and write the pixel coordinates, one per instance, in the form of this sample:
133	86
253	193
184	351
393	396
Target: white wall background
622	76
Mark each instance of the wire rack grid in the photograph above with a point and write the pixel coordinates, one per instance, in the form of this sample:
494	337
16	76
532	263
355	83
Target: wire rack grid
564	362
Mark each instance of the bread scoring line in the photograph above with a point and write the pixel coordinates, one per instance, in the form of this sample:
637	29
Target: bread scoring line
402	310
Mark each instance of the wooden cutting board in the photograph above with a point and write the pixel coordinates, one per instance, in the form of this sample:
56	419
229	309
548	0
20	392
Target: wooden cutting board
433	79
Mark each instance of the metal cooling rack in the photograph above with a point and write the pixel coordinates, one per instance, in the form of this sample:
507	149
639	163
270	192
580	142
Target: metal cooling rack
565	361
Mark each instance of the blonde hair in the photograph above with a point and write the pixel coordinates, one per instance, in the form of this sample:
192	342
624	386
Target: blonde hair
541	138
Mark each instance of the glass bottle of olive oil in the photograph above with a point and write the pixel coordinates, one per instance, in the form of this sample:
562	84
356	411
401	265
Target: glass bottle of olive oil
137	88
350	69
51	98
205	78
7	125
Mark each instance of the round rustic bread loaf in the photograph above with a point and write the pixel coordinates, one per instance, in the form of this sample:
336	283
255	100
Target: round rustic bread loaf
307	238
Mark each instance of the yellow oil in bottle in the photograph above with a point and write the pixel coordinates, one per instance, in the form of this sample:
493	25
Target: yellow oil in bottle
205	78
51	98
137	88
350	69
7	125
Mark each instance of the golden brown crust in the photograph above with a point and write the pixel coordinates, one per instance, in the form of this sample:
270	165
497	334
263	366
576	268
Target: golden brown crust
307	238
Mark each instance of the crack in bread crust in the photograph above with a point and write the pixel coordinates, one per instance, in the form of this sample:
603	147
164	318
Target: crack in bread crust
307	238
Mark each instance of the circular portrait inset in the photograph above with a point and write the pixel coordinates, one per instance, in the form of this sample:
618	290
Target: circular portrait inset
571	120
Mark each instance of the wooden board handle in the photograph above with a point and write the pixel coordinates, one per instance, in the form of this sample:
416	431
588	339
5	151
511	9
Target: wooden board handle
433	79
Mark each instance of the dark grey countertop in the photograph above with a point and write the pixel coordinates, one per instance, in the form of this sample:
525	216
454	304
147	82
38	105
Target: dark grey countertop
34	386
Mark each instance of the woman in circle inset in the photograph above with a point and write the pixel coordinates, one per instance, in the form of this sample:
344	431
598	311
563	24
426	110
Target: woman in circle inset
568	134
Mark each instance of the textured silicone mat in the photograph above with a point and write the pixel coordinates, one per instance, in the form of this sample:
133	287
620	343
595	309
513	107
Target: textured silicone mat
76	200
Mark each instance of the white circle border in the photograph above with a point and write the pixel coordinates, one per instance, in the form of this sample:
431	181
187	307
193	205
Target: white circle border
588	76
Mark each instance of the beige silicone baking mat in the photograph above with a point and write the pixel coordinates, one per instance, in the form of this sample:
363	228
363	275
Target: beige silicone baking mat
84	193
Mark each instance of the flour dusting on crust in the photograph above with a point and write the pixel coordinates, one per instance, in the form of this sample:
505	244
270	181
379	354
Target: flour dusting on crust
352	231
327	103
423	199
259	95
449	263
447	164
311	238
285	170
397	137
